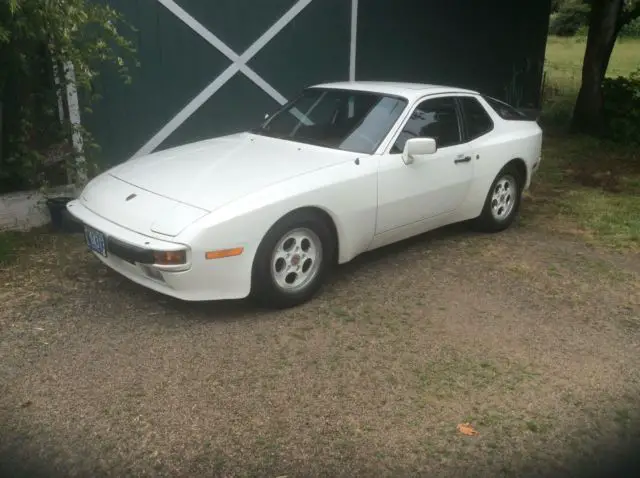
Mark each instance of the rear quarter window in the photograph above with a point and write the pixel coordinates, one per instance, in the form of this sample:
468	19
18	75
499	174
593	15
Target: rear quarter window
477	120
505	111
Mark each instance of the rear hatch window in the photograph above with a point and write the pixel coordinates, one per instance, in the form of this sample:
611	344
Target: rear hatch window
505	111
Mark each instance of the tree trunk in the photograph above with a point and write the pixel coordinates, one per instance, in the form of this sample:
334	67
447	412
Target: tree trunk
603	31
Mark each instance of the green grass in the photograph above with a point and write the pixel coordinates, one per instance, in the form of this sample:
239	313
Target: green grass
590	186
613	219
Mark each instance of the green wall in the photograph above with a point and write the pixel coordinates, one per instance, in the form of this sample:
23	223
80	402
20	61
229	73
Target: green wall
459	42
471	44
177	64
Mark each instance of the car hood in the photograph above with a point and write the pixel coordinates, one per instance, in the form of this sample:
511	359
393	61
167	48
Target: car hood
137	209
209	174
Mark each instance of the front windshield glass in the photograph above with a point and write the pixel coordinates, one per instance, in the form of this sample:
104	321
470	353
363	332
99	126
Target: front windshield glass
341	119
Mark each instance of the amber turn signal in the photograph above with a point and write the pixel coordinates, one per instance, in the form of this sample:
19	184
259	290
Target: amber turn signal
219	254
170	258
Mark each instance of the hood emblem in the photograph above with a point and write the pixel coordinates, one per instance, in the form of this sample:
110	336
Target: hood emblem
130	197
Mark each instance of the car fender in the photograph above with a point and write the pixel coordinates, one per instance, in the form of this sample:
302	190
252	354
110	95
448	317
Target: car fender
347	192
494	152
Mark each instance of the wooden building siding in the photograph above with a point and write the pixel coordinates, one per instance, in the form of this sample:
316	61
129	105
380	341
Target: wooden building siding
208	69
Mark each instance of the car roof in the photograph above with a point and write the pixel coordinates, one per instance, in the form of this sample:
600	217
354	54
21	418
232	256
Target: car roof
410	91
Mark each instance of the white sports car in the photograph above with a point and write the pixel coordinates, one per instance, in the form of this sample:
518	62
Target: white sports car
342	169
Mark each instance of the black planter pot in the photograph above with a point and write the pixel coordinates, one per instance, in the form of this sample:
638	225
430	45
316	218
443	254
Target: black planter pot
61	220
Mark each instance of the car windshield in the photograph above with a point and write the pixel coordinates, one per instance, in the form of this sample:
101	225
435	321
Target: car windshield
340	119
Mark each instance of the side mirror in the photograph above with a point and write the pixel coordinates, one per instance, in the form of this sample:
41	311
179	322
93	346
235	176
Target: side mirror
266	116
418	146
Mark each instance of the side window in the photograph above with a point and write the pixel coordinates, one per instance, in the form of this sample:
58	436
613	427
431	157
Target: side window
436	118
477	120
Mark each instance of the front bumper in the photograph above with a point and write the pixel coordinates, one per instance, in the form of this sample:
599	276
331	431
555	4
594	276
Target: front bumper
130	254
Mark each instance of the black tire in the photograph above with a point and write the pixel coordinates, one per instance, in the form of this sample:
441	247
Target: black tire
488	220
264	289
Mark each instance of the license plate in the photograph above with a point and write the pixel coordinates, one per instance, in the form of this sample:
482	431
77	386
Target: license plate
96	241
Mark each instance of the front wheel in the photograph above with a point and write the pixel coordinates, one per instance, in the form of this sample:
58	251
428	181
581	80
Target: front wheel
292	261
502	202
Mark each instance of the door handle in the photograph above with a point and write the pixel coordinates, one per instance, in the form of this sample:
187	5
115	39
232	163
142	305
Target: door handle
462	159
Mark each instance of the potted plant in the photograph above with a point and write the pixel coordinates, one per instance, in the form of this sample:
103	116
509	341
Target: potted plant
55	188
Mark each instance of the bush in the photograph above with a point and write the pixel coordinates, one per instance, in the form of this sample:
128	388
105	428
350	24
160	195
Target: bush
631	30
570	17
37	37
622	108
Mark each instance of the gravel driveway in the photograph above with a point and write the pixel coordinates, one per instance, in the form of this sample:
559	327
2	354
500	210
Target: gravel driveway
532	339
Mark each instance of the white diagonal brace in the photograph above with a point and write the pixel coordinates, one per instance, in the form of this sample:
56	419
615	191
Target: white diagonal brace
188	110
239	64
199	28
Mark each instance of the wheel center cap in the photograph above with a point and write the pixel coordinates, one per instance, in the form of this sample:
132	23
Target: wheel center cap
295	260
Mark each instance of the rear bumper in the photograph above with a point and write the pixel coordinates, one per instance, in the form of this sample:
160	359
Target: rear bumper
130	254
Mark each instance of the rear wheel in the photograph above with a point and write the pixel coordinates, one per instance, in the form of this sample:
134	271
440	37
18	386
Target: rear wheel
292	260
502	202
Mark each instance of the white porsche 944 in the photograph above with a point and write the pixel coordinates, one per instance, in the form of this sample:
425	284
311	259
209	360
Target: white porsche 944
342	169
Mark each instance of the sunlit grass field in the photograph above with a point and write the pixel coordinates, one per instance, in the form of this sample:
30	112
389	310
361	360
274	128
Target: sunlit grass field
563	71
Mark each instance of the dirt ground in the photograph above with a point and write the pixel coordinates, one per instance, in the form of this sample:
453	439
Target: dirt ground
531	337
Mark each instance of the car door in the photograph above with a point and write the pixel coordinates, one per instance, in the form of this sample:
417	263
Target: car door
433	184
